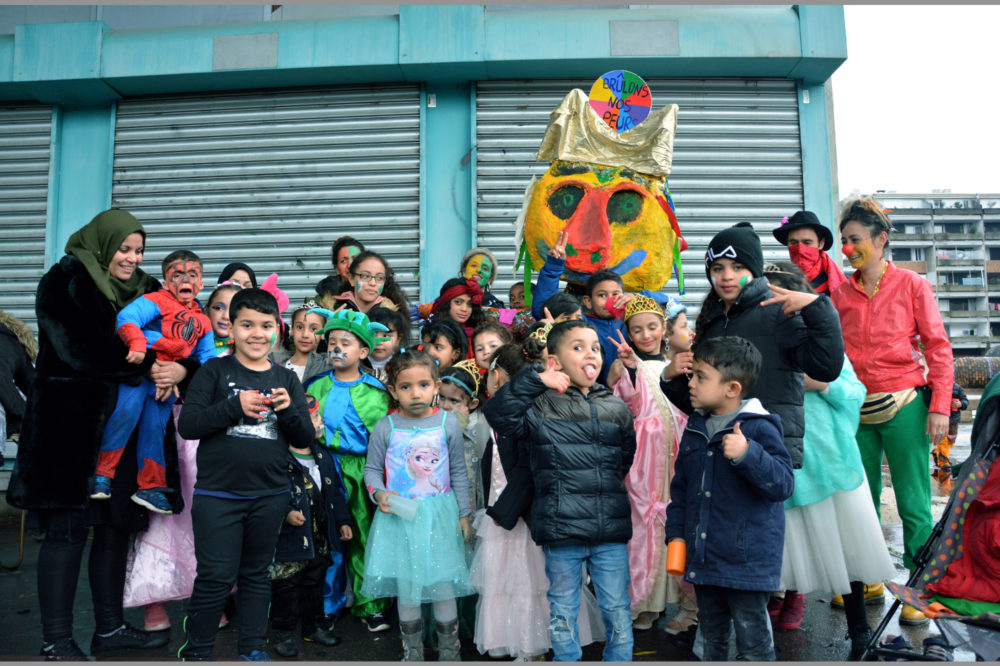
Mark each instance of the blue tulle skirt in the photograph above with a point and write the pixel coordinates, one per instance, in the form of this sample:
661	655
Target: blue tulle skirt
420	560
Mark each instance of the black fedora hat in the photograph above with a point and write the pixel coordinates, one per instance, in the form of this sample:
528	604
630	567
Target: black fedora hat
803	218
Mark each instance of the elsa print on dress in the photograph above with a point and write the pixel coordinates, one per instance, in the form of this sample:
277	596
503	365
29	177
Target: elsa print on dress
418	467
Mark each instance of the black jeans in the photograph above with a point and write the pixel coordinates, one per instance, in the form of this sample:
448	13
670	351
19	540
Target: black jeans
234	542
59	562
300	597
719	608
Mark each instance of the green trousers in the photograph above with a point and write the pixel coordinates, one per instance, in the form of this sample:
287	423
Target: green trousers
907	447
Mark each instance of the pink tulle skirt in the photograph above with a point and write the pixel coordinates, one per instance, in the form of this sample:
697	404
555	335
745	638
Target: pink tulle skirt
162	566
508	572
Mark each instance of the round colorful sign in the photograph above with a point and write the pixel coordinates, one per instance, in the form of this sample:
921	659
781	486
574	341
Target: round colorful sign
622	99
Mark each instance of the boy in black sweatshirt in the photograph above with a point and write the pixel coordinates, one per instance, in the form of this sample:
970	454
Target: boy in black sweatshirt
246	411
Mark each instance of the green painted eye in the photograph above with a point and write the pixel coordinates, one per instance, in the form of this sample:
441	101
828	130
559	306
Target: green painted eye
624	206
563	202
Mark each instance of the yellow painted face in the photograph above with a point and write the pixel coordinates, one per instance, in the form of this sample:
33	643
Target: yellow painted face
615	217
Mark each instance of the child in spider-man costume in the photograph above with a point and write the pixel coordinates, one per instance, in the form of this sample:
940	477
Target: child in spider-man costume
171	323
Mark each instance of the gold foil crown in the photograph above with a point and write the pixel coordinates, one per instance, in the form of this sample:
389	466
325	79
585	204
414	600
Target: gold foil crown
576	134
641	304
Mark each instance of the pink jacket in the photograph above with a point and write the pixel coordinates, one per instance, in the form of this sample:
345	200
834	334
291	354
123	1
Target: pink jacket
882	336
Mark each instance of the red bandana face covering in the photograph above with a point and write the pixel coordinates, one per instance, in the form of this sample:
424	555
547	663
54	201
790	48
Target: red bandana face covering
814	262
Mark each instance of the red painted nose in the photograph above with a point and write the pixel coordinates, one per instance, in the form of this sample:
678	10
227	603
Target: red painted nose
589	235
848	250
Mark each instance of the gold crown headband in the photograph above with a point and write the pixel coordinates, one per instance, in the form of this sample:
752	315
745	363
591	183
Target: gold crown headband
472	369
641	304
541	334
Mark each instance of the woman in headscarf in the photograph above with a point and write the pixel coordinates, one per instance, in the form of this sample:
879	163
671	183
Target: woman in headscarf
81	361
238	273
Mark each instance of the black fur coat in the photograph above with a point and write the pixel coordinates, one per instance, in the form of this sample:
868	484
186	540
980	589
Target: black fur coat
81	362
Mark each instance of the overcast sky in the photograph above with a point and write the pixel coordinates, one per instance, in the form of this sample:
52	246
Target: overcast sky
917	104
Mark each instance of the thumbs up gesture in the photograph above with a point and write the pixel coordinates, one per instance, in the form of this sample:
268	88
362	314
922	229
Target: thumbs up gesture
734	444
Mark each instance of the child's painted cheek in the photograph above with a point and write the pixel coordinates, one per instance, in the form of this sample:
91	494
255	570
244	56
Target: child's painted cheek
274	338
380	288
743	282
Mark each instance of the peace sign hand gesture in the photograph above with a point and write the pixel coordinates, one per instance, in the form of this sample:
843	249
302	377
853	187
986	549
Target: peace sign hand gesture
558	251
791	301
625	352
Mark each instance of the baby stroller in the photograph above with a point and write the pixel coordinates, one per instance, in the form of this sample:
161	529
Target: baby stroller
960	555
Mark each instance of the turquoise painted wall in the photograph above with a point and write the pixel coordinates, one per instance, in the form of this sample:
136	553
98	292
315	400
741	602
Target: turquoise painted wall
83	68
80	172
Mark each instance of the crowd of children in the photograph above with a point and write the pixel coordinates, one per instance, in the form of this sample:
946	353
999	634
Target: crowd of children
525	474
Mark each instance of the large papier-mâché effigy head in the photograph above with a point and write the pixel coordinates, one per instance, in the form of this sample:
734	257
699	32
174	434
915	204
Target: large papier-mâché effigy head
609	192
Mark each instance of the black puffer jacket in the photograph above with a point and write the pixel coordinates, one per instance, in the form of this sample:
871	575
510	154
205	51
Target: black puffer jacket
810	342
580	448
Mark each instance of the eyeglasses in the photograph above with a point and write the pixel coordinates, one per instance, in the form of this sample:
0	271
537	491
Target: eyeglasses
368	277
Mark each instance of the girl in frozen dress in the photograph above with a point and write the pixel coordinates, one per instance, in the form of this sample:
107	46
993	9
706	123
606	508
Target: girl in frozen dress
417	453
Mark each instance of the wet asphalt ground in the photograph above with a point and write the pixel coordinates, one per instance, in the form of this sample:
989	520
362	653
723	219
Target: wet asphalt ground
820	638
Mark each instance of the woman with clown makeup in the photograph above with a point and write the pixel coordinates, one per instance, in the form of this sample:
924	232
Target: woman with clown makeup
892	330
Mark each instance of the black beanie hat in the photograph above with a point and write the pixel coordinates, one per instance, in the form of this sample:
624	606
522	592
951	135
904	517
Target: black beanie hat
739	243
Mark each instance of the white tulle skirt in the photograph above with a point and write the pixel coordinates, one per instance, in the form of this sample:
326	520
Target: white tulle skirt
834	541
512	615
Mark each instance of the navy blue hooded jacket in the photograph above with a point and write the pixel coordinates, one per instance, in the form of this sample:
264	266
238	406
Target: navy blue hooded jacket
731	513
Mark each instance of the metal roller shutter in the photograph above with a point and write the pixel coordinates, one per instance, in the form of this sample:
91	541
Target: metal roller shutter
736	157
25	137
272	178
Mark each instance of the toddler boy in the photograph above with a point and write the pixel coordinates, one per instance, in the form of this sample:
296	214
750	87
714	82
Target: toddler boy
316	523
351	402
580	441
731	478
170	322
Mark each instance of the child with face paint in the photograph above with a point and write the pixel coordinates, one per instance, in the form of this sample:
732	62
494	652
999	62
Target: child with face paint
796	333
171	323
303	359
218	314
351	403
445	341
343	252
885	310
372	283
480	265
416	454
398	334
634	377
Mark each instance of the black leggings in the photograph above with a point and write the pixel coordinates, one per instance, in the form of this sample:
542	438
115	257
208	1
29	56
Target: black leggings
59	571
854	608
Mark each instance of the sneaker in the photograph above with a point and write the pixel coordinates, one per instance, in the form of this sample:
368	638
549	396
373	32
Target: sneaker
323	637
127	637
873	595
684	620
285	644
774	605
154	500
792	610
64	649
256	655
910	615
156	617
102	488
376	622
